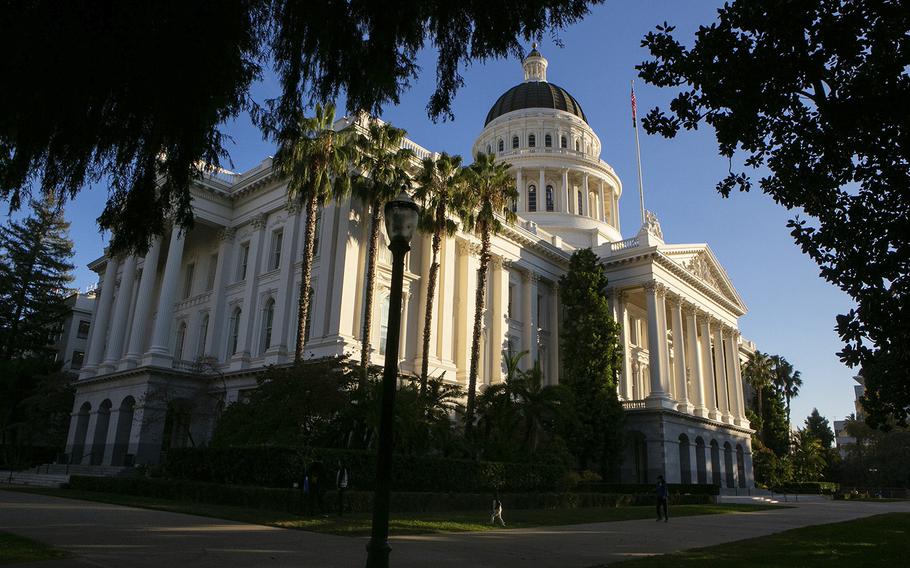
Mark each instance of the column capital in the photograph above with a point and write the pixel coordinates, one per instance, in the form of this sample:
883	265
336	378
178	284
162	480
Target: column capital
226	234
294	207
689	308
675	300
258	222
496	262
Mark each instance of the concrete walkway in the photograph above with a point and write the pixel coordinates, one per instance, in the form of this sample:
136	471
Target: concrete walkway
103	535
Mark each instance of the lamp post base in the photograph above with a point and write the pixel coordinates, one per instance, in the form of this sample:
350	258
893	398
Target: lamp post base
378	553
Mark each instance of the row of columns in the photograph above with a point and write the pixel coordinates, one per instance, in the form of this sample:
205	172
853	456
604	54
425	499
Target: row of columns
606	212
705	369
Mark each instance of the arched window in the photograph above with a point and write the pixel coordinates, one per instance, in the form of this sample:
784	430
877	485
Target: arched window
532	141
532	198
514	142
563	143
549	198
548	141
268	317
203	336
577	146
581	202
181	339
501	145
235	331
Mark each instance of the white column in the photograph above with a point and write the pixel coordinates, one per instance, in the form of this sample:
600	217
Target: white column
284	310
709	382
344	316
467	286
160	351
679	356
721	376
564	194
656	346
586	202
614	204
737	373
695	361
443	320
732	357
426	260
213	342
250	305
553	374
102	317
529	339
542	191
121	313
143	304
403	329
602	209
499	288
519	185
622	317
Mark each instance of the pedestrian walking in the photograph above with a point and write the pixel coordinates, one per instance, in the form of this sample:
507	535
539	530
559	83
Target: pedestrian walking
662	498
342	479
497	511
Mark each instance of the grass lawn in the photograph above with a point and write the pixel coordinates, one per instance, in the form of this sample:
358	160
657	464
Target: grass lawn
20	549
401	523
882	540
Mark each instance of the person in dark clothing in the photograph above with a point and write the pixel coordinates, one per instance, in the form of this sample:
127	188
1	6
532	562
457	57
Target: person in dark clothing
662	498
342	479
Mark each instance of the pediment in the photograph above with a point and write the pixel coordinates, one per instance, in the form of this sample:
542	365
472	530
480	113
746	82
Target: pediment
699	261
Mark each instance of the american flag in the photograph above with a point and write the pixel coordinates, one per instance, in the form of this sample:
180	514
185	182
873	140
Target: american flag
634	106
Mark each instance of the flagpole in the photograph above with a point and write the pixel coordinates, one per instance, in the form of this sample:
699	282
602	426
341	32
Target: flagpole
641	189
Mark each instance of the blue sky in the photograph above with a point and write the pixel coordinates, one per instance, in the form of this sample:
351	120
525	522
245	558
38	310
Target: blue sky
791	310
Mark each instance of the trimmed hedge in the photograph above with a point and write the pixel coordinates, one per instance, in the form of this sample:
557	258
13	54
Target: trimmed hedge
674	488
291	500
808	488
270	466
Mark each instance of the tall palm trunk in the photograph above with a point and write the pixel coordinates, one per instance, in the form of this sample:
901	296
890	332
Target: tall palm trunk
478	323
375	220
431	295
306	277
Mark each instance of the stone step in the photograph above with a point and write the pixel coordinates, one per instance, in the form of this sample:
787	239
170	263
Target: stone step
30	478
88	470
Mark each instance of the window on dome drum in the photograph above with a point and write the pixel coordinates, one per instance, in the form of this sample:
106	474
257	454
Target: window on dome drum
181	339
277	236
188	280
549	198
244	257
581	209
383	325
577	146
235	331
514	142
268	317
489	149
77	360
548	141
563	143
82	332
213	267
532	198
203	336
501	145
532	141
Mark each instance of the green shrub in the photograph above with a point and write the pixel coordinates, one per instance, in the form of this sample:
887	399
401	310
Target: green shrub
808	487
646	488
271	466
292	500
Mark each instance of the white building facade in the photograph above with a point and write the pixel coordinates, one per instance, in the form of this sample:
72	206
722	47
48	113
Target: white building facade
183	330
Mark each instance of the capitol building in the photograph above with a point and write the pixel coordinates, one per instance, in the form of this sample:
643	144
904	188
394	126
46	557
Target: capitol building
224	294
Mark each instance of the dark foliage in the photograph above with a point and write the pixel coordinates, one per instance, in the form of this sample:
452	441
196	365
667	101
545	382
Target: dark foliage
92	85
813	93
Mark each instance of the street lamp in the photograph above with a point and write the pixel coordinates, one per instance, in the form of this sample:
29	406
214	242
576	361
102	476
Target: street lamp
400	224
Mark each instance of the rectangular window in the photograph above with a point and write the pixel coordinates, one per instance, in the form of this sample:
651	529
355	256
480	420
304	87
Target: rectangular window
539	305
83	330
244	257
213	268
509	305
77	360
188	281
383	325
276	249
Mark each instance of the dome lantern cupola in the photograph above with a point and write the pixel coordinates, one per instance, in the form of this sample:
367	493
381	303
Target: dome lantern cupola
535	66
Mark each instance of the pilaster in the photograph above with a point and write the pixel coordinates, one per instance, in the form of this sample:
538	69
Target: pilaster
160	352
530	339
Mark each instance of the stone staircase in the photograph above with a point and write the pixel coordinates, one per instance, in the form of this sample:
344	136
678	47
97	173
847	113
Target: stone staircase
57	475
32	479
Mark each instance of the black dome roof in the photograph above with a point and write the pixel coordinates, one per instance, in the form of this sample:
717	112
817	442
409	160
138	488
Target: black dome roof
535	94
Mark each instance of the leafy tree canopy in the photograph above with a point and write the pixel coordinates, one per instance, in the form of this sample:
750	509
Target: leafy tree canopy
95	83
813	93
818	426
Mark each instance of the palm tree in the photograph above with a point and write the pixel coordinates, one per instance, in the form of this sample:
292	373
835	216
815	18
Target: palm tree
539	405
757	373
786	379
493	190
440	191
383	167
316	161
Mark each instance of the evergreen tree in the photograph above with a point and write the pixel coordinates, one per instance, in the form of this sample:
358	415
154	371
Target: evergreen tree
592	359
775	430
35	273
818	426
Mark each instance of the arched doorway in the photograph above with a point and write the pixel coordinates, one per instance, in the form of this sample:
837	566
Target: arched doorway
79	439
99	439
728	465
124	429
685	464
715	463
701	465
741	465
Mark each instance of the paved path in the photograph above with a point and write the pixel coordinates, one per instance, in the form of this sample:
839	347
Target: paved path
102	535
